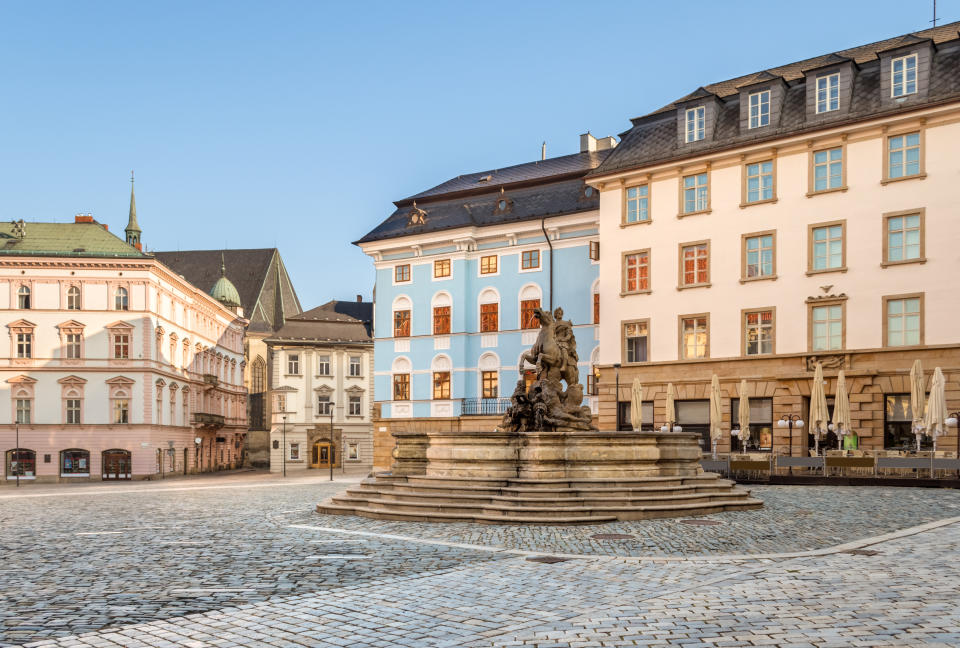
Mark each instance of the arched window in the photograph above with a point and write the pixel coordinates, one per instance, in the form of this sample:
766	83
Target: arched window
489	366
258	385
402	316
121	299
74	463
22	462
73	298
489	311
23	298
401	370
258	376
442	306
595	301
530	296
442	377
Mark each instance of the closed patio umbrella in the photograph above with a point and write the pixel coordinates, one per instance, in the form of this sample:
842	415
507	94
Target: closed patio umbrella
841	410
936	416
917	398
671	408
819	416
636	400
715	421
743	413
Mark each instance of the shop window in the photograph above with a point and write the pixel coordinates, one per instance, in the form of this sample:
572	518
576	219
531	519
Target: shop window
694	416
21	462
760	435
74	463
898	425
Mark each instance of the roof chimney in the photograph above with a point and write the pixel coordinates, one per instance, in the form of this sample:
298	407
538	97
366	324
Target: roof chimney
588	143
83	218
605	143
359	298
543	151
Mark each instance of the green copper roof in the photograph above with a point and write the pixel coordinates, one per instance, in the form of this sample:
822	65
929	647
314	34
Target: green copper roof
64	239
224	291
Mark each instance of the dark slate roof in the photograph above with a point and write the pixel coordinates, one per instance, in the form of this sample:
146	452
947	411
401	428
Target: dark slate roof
65	240
254	273
330	323
653	138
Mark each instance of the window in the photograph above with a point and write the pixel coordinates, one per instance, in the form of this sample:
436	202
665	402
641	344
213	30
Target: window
596	308
759	182
636	273
441	320
694	264
24	407
353	451
759	436
696	197
695	123
827	331
324	406
694	416
74	462
489	318
636	341
441	268
758	332
903	76
827	247
693	337
827	170
295	451
638	204
73	298
903	156
323	365
898	424
21	462
401	386
530	260
354	404
441	385
356	368
23	298
903	324
73	411
758	256
488	264
401	273
401	323
828	93
594	250
121	300
489	381
293	363
759	109
121	410
24	345
528	316
903	237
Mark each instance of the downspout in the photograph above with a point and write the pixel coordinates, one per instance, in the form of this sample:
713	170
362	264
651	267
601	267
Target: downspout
544	228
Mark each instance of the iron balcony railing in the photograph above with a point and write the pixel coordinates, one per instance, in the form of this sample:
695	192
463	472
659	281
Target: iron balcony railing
484	406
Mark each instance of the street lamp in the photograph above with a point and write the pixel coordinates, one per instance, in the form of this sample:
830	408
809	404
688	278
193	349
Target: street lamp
952	422
283	453
196	453
790	421
616	368
330	452
17	462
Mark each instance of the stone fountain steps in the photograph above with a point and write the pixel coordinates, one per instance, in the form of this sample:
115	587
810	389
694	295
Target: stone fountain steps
521	501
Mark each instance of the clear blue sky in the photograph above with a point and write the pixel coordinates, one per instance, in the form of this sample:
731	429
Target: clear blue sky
296	124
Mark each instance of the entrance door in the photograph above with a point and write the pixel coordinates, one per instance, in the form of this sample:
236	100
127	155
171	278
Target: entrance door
322	455
116	464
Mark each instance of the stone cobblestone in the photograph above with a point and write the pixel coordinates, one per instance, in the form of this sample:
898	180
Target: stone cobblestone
281	582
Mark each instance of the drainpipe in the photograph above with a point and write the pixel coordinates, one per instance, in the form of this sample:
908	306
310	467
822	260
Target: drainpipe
544	228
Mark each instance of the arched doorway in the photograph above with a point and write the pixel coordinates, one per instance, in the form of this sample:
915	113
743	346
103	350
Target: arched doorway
321	455
116	464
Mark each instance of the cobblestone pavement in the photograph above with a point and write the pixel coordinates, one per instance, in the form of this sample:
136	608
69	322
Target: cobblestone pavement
253	566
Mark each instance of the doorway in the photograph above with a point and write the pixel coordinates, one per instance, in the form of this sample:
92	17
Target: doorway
116	464
322	455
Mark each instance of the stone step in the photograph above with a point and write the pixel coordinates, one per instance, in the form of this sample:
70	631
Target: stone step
334	509
539	493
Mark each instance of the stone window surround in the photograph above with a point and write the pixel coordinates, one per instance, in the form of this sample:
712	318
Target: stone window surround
706	350
743	256
743	331
830	300
71	387
680	273
121	388
623	273
22	388
623	341
496	265
888	132
756	159
625	187
685	172
843	245
22	326
920	211
65	287
819	148
886	321
115	329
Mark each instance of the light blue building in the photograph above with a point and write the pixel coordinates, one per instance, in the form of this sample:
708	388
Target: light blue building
460	268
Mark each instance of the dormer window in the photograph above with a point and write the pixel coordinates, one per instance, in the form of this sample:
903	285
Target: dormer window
695	120
903	76
760	109
828	93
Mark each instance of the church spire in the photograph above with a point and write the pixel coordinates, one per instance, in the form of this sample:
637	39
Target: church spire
133	230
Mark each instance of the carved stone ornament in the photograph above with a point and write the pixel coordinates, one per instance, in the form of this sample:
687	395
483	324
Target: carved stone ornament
547	405
834	361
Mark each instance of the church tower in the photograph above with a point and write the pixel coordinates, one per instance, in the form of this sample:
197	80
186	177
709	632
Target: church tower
133	230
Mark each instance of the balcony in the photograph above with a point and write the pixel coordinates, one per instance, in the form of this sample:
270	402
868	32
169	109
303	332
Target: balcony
211	380
484	406
212	421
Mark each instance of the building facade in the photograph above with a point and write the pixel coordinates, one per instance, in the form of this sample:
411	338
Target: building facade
797	215
460	269
323	388
115	367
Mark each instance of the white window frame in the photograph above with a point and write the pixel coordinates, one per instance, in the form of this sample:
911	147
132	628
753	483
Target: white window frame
355	405
829	84
903	316
358	365
694	120
756	114
293	364
324	407
904	84
321	363
825	323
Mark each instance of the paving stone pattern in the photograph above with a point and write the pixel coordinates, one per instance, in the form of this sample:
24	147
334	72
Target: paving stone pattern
294	586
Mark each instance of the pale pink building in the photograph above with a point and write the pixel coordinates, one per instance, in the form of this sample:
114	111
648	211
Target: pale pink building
115	367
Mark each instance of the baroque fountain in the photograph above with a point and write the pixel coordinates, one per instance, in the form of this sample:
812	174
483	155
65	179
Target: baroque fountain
545	464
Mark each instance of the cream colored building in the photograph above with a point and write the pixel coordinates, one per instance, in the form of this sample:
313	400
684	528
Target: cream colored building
322	389
799	214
